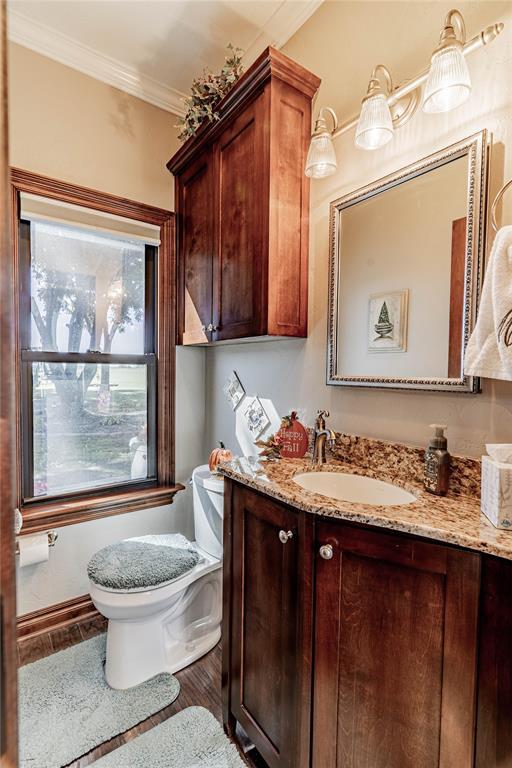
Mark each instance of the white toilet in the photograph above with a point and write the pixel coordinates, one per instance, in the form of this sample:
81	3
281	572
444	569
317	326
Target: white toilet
165	626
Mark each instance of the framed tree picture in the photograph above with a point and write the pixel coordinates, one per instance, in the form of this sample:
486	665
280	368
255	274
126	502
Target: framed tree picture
387	321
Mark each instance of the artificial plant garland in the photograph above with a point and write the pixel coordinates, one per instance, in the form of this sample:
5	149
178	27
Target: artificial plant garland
207	91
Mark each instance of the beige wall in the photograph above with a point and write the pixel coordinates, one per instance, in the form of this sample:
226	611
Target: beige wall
71	127
77	129
342	42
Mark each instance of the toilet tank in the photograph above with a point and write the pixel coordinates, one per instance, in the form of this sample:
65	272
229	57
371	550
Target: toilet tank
208	492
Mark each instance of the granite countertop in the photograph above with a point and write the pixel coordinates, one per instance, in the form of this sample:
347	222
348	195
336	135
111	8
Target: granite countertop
454	519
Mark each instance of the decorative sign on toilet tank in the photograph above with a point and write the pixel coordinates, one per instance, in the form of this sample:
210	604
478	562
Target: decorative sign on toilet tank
293	436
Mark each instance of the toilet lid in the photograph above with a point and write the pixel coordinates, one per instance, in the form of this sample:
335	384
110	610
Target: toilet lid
143	562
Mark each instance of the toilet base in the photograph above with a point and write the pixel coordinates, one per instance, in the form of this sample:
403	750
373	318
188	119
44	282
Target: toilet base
183	631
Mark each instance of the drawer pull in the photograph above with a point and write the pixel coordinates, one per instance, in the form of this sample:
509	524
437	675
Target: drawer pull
284	536
326	552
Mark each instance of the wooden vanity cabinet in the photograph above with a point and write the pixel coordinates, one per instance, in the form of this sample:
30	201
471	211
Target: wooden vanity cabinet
242	209
267	598
389	651
395	651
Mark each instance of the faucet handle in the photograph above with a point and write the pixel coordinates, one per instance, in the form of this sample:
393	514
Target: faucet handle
320	419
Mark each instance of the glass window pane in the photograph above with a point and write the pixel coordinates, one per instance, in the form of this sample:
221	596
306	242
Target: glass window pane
89	425
87	291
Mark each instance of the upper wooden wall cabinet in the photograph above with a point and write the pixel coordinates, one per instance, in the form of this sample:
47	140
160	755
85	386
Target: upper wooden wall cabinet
242	209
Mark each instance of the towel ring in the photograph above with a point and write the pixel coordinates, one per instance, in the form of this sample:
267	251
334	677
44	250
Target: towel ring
495	203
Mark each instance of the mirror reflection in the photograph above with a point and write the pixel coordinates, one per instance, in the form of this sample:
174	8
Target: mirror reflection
400	276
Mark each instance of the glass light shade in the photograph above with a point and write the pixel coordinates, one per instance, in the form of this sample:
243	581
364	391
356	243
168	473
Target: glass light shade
449	83
321	159
375	126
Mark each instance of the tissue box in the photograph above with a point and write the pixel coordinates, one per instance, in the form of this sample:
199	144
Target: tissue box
496	503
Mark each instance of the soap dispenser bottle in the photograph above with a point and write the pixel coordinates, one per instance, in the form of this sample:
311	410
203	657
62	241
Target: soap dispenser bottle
437	462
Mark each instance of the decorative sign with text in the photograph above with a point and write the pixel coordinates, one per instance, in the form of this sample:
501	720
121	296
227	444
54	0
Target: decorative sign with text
293	437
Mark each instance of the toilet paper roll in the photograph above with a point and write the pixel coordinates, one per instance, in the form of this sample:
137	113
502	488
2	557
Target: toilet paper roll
33	549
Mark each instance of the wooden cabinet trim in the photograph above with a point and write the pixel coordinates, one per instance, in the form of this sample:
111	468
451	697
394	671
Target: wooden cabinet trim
326	653
271	63
395	548
494	709
460	680
200	172
289	212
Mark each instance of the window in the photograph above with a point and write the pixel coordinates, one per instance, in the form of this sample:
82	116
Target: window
94	374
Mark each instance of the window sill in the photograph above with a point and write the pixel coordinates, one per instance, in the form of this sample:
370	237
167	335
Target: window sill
42	516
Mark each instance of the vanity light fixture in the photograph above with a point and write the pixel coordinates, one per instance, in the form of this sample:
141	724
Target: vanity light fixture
321	159
449	83
375	125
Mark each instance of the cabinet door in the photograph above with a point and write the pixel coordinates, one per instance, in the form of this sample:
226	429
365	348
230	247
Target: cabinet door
240	268
494	731
269	663
395	652
195	228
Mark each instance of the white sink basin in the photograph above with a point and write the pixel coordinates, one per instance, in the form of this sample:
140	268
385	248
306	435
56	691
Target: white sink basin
354	488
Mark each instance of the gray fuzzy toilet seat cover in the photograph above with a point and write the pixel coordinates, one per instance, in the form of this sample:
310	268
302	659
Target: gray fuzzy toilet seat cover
143	562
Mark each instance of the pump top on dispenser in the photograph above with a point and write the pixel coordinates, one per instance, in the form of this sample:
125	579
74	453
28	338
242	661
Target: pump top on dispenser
437	462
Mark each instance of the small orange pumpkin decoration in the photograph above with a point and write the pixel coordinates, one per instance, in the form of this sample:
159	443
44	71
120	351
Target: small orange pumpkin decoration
218	455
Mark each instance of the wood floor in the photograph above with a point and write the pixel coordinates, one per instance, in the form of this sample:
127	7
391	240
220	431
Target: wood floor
34	648
200	685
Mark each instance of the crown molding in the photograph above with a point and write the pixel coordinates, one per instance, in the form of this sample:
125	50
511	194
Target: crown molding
282	25
55	45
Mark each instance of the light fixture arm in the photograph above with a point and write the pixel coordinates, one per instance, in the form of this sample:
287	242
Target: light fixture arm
455	21
375	85
483	38
321	122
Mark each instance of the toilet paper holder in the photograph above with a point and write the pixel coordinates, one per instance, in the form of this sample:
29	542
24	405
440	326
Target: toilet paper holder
52	539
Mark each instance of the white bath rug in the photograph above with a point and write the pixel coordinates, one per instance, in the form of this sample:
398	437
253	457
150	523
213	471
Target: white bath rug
193	738
66	708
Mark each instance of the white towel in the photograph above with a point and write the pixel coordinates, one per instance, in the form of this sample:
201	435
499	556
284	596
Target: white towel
489	350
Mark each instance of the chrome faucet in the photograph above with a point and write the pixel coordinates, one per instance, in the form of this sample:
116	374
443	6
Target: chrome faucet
320	436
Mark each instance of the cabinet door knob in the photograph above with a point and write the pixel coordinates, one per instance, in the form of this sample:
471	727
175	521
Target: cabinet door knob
284	536
209	327
326	552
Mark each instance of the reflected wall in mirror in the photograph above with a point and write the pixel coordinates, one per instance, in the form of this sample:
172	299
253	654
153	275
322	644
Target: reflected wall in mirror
405	272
